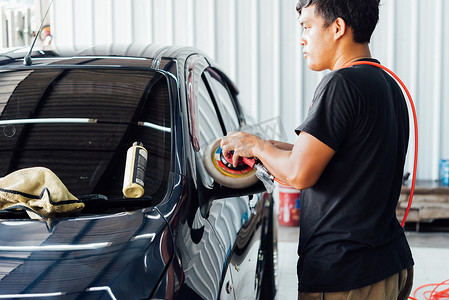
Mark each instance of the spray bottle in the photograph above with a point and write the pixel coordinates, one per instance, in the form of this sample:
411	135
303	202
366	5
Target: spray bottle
136	163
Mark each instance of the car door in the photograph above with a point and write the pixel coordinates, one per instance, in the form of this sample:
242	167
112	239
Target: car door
243	244
212	113
203	256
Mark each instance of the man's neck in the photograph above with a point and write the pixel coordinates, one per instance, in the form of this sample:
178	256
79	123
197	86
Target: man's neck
353	52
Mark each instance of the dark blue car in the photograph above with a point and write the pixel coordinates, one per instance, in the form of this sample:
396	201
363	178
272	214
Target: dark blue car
187	237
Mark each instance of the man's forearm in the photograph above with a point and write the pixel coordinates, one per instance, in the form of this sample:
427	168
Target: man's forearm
281	145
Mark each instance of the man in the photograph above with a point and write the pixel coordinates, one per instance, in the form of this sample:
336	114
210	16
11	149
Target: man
348	159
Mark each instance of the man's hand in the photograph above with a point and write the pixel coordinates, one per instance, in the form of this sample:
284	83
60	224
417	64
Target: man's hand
242	144
299	165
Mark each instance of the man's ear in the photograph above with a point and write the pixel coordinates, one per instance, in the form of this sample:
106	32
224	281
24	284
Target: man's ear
339	28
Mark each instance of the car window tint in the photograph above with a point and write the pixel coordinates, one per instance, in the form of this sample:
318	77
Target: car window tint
119	106
209	127
224	100
209	124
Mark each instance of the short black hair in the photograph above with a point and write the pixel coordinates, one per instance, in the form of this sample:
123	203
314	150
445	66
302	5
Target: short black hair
361	15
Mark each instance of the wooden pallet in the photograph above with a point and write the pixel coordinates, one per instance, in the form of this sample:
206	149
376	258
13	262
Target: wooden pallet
430	202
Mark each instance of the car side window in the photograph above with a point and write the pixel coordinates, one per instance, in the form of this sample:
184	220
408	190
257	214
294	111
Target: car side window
209	126
223	100
209	123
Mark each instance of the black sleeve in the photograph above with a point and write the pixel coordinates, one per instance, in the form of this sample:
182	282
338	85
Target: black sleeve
332	112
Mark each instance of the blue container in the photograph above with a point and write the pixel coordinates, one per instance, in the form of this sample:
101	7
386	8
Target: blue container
444	171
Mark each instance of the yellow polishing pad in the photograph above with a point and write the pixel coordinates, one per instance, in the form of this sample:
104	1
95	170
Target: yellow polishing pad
241	177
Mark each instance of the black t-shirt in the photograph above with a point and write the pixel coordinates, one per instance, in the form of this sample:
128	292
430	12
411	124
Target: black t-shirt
349	234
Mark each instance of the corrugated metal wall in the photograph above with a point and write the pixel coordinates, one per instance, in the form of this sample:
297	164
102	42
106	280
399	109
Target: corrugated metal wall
257	43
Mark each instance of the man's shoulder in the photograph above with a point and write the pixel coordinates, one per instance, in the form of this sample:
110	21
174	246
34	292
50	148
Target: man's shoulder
354	78
338	80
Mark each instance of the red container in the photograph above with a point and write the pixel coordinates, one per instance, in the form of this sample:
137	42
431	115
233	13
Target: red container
288	205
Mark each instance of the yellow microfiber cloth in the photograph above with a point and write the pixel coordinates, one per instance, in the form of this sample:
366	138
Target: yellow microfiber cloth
39	191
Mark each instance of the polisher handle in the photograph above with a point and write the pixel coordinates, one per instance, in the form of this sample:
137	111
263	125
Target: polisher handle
249	161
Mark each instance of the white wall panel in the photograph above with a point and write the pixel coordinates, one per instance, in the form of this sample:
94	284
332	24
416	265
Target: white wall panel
257	44
84	31
183	18
103	22
225	37
437	82
162	19
444	133
268	58
291	94
204	26
247	54
142	31
63	24
123	20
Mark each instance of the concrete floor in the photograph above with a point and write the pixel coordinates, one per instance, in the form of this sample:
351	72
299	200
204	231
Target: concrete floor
430	252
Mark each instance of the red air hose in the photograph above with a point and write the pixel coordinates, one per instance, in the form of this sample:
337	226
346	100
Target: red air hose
432	294
415	122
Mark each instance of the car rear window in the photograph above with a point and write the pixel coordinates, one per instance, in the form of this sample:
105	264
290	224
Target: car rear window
80	122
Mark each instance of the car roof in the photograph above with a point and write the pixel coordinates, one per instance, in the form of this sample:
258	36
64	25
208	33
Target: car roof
152	52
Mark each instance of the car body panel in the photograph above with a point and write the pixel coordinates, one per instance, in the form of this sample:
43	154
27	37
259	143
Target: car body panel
185	241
